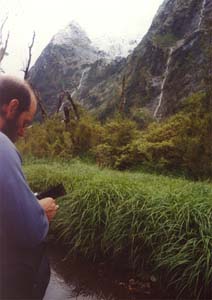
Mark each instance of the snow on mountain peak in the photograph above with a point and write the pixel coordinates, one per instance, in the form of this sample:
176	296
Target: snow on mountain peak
116	47
72	33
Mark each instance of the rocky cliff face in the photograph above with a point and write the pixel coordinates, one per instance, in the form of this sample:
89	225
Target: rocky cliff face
169	63
164	68
63	63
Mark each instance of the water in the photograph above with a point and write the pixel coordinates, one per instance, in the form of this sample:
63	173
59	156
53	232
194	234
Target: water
171	50
85	71
81	280
164	81
58	288
202	14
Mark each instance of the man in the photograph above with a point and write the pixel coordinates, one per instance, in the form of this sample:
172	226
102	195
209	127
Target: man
24	271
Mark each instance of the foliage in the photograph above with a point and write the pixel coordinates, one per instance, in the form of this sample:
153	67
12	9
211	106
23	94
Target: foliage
142	117
164	40
184	140
182	143
52	139
118	133
142	220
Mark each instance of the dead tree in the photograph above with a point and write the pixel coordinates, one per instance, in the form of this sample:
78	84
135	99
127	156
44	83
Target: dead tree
73	105
60	101
62	104
66	115
26	70
122	104
40	104
208	66
3	45
26	76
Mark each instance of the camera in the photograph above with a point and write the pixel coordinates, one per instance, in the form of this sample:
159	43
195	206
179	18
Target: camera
53	192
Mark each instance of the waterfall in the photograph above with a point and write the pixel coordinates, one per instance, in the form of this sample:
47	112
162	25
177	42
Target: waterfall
171	50
202	14
67	102
81	81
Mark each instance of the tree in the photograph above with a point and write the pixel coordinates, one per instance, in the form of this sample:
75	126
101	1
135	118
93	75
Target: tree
40	104
208	65
3	44
123	100
66	103
26	77
26	70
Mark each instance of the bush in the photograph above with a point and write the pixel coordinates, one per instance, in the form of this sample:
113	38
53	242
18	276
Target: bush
182	143
142	117
118	133
54	139
184	140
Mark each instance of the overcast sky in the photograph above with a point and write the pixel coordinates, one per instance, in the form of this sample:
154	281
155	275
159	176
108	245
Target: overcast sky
113	18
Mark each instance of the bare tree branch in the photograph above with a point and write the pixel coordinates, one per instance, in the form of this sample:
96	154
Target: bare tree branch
60	101
26	70
68	95
66	115
3	46
2	27
123	96
41	106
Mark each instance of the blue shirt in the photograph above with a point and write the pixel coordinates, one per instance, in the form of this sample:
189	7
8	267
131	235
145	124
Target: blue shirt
23	222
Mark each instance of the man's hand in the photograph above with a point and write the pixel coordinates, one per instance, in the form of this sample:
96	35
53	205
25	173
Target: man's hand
50	207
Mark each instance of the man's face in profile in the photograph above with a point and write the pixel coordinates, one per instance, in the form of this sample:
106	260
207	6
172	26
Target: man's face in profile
10	129
15	127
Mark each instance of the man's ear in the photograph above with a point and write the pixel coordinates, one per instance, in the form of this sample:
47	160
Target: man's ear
12	108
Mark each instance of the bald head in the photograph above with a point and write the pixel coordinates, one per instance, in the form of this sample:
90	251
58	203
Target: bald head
15	88
17	106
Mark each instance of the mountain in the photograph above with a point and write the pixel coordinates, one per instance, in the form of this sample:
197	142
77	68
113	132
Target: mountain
116	47
165	67
169	63
63	63
72	62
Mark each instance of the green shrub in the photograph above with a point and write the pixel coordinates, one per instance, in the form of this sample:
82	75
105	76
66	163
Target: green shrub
184	140
54	139
118	133
165	40
181	143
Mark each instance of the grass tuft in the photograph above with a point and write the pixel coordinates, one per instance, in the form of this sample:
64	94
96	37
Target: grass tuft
151	221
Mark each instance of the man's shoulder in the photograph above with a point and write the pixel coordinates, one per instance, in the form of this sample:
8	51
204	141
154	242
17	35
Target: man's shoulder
5	140
7	148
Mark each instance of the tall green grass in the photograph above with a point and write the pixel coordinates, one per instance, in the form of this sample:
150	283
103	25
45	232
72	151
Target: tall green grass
146	220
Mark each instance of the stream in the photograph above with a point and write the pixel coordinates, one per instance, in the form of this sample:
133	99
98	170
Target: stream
83	280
